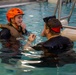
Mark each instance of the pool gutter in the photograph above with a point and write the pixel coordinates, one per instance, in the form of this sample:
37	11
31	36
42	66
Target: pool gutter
15	4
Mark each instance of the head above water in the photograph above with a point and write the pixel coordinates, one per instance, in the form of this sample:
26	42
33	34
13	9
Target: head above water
53	24
47	18
11	13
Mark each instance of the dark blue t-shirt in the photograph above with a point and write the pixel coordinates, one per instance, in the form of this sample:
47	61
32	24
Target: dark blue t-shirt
56	45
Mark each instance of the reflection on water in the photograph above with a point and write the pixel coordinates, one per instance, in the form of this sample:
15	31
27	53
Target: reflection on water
34	13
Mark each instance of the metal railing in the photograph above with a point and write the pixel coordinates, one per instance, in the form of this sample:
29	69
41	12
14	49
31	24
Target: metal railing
59	5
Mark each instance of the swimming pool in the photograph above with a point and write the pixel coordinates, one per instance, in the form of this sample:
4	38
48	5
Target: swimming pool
34	14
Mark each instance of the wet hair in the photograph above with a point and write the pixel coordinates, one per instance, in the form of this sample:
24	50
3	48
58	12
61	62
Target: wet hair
53	24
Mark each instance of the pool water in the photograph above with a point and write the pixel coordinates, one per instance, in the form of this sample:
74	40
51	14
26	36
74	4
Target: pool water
33	18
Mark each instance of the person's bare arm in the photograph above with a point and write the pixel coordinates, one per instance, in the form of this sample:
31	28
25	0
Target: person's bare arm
31	38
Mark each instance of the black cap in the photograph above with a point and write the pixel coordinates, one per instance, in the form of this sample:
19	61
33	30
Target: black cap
47	18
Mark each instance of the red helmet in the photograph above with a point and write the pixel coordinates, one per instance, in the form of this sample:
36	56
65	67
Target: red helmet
11	13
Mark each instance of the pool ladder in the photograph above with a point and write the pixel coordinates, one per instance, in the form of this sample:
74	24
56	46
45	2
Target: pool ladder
59	5
68	31
66	1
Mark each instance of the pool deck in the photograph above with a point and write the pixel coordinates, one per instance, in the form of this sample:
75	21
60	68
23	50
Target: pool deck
5	2
14	3
9	3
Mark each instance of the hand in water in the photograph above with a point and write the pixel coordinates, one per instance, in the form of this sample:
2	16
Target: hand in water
32	37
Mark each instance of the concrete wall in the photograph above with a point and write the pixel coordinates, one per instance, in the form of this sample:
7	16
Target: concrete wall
52	1
55	1
5	2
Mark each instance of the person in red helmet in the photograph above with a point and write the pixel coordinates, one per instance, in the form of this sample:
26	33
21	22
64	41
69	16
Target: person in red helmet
15	17
14	29
15	22
57	49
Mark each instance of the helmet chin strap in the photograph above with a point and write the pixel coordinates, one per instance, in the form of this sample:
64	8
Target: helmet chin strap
15	25
18	27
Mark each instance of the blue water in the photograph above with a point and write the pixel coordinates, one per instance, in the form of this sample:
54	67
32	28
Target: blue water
34	14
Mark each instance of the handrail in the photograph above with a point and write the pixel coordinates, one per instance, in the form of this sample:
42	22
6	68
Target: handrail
59	10
58	6
71	11
71	27
64	17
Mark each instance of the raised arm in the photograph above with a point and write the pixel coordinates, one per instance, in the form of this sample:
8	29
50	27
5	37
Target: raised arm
28	45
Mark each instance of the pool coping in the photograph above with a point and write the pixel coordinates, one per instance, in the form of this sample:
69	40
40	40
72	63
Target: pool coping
15	4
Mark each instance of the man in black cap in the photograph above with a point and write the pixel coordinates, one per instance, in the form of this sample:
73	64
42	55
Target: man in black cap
56	46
